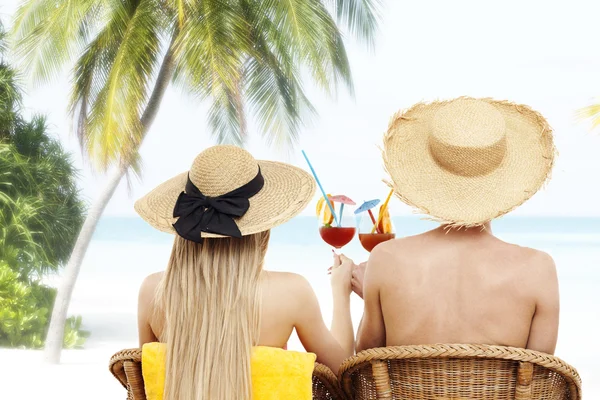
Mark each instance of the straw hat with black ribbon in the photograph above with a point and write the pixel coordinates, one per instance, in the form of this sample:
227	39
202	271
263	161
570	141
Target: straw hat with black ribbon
227	193
467	161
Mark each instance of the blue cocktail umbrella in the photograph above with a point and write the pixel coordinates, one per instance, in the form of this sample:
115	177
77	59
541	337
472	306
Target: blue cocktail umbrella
367	206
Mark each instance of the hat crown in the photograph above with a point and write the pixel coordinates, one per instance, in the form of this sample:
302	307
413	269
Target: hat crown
468	137
221	169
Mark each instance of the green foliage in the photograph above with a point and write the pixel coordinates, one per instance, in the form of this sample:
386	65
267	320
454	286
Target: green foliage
10	99
25	311
247	57
74	335
40	216
18	311
40	209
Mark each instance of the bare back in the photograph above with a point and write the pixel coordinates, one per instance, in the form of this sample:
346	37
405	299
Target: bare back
288	302
459	287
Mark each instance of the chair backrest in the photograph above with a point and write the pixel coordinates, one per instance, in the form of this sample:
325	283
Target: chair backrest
458	372
126	366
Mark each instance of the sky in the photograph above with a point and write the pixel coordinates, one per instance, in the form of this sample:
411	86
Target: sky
540	53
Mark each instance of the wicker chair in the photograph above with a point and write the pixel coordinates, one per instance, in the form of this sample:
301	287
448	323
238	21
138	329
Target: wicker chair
126	366
458	372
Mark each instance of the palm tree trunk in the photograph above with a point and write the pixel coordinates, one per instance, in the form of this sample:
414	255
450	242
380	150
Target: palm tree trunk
56	331
55	337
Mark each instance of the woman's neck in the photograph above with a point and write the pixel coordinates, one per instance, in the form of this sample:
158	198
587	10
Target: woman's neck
482	230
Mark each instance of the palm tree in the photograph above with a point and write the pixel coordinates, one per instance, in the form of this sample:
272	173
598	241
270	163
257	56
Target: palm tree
247	57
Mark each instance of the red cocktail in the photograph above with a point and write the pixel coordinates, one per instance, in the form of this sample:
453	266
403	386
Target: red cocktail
372	231
370	240
337	237
339	229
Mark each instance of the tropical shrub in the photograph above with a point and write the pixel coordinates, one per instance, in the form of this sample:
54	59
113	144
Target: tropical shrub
40	215
25	312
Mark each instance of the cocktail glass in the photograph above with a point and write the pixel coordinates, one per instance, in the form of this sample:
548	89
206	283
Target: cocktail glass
337	234
368	238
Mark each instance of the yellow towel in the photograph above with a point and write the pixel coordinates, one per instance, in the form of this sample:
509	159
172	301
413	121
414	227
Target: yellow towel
276	373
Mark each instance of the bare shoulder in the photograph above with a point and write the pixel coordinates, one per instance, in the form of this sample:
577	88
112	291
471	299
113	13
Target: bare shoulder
287	292
535	261
392	253
288	282
148	287
539	263
533	267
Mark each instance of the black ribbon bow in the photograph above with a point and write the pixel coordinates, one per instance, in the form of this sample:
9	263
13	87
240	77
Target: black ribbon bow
199	213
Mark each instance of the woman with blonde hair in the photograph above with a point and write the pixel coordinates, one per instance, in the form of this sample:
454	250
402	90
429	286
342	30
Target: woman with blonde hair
221	320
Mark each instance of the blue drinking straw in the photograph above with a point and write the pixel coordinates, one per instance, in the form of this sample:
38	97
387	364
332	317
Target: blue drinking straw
321	187
341	212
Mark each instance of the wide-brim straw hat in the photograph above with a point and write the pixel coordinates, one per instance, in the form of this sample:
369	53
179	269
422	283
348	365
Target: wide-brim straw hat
220	169
467	161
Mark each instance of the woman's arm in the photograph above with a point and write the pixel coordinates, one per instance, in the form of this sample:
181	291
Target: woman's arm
543	332
371	331
333	346
341	324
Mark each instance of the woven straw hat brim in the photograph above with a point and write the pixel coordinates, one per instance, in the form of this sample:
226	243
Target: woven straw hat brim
467	201
286	192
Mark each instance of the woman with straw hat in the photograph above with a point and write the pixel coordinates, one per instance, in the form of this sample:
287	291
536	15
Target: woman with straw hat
222	318
464	163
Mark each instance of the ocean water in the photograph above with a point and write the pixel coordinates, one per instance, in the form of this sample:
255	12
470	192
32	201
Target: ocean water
303	230
125	250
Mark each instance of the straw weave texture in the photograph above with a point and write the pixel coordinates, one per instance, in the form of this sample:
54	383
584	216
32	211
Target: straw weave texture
221	169
467	161
458	372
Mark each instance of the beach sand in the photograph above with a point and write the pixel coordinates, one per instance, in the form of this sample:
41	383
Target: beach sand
84	373
106	296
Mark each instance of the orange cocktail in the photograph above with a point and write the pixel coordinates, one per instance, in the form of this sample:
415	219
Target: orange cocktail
373	232
370	240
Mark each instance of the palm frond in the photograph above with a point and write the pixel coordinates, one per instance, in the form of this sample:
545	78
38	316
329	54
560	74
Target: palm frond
92	71
3	45
10	100
226	116
361	17
278	102
307	28
116	101
334	51
592	113
180	9
209	48
41	212
50	33
273	85
299	23
243	55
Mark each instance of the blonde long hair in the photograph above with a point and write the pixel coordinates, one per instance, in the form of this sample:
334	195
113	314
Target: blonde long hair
211	300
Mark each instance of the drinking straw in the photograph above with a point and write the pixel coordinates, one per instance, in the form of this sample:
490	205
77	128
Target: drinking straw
321	187
373	219
341	212
383	207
